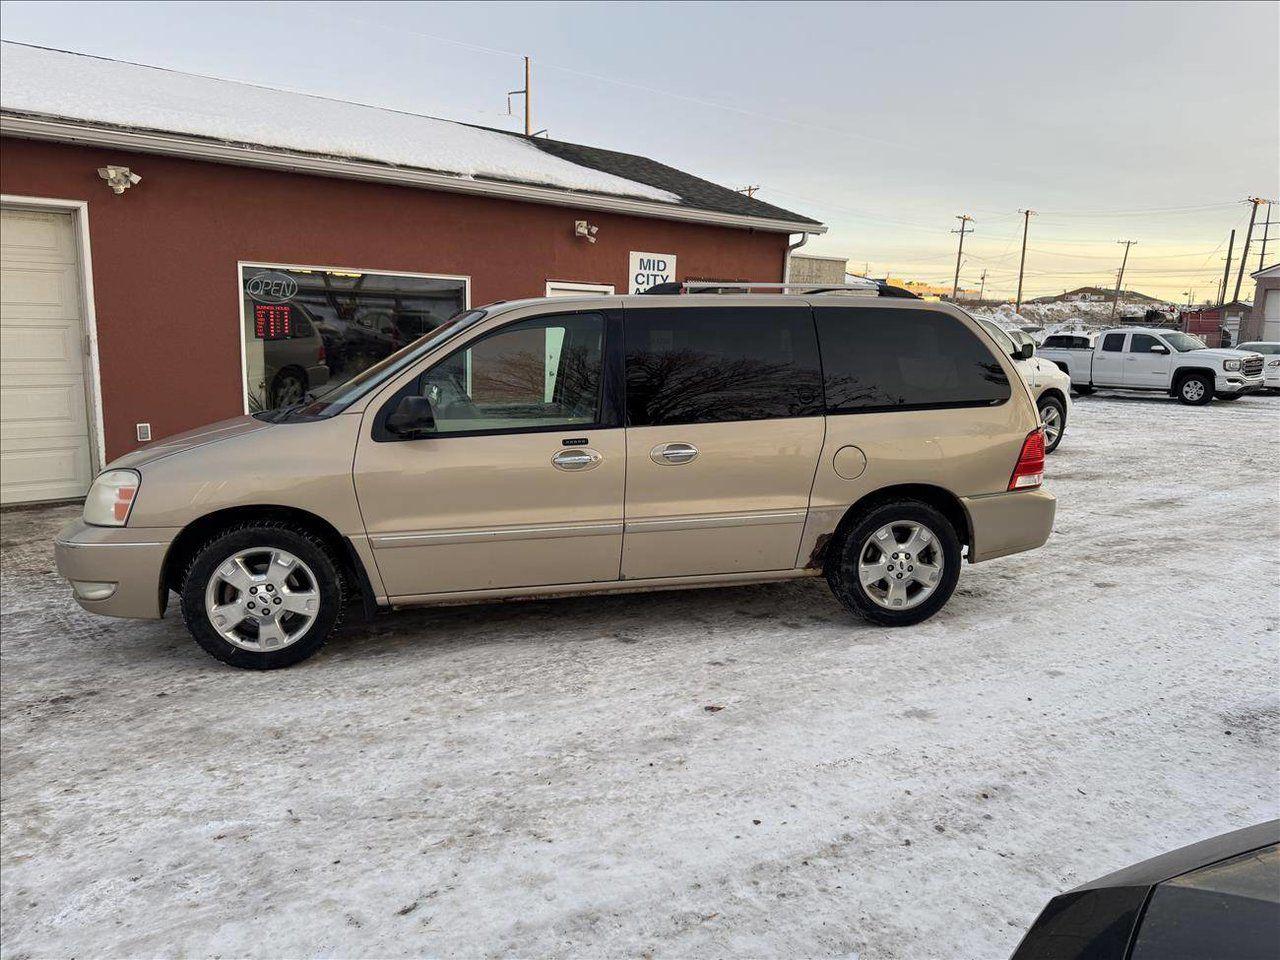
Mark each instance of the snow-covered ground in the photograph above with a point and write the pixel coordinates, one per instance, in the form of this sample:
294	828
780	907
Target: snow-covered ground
738	772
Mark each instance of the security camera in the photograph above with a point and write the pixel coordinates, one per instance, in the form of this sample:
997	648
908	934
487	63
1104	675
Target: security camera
587	231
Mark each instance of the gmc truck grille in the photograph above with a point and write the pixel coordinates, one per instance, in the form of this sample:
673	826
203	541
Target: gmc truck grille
1252	367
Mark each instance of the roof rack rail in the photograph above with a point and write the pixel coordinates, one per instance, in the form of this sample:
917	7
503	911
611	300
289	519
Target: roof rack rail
864	286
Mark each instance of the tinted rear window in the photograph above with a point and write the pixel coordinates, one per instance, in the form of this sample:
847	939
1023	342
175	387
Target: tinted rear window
877	358
1113	342
714	364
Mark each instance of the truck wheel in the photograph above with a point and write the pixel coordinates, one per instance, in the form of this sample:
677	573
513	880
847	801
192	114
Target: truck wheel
262	595
1053	416
896	565
1196	389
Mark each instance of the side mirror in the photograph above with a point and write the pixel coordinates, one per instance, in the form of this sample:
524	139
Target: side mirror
411	418
1159	348
1025	352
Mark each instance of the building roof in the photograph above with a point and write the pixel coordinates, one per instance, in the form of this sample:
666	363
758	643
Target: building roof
57	95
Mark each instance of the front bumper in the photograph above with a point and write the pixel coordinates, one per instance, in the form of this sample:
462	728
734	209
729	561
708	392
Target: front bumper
1238	383
115	571
1005	523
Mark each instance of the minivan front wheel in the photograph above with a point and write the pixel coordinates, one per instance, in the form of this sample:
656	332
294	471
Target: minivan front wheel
897	565
262	596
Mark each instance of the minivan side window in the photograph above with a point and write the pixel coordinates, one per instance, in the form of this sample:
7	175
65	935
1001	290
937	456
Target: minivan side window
880	358
1113	342
718	364
536	374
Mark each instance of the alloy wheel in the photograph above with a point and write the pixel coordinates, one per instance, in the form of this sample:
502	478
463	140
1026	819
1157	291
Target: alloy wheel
900	565
262	599
1051	420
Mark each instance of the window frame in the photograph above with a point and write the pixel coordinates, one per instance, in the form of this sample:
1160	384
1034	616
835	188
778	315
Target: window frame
609	412
1124	343
981	335
266	265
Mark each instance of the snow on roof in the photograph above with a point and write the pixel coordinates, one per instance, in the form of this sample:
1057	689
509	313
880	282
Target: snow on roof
35	80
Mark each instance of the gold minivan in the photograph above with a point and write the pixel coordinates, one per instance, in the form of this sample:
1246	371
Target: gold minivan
569	446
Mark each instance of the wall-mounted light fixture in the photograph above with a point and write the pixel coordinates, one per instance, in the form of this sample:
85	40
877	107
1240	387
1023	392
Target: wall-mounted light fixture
119	179
587	231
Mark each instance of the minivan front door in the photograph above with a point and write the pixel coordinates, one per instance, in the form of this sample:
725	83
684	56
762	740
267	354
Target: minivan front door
518	479
724	414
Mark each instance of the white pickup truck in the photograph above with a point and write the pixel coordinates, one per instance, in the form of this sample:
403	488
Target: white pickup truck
1142	358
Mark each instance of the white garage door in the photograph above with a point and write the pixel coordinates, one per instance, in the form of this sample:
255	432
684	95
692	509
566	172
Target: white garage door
44	427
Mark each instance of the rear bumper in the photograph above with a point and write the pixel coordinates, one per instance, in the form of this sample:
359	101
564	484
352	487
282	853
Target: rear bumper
1005	523
115	571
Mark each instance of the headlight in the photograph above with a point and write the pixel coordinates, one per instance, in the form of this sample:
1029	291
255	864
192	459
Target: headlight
111	498
1274	363
1230	364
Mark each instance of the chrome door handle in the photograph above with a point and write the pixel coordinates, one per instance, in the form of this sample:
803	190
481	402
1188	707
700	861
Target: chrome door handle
673	454
579	458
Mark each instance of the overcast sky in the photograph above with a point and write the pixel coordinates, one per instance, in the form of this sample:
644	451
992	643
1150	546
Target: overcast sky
1114	121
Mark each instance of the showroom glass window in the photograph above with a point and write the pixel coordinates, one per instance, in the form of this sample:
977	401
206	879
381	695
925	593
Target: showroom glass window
717	364
879	359
309	329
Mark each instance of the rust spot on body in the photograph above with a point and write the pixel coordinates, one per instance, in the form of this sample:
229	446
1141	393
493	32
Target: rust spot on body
819	555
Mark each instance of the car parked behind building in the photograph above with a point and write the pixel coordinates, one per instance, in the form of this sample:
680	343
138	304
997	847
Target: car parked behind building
580	445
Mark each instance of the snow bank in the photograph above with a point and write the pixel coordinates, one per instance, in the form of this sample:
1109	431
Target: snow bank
94	90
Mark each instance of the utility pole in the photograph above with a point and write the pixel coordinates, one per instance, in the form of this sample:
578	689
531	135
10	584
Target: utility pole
528	116
1026	222
1226	271
982	285
1120	276
749	191
1244	253
965	220
1266	230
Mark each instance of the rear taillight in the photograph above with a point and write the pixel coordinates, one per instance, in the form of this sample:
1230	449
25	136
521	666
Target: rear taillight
320	354
1029	470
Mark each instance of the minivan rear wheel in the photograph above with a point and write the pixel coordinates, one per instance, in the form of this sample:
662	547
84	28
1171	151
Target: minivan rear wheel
896	565
262	595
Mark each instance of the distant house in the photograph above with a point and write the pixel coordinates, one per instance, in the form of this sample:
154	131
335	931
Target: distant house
1264	321
812	268
1223	325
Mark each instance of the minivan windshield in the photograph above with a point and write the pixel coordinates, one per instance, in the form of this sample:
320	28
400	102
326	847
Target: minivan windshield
1183	342
333	401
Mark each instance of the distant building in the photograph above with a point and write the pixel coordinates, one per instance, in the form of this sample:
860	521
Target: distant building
811	268
1264	320
1223	325
932	291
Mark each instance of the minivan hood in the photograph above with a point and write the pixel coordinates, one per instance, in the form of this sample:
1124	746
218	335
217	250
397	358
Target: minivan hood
190	440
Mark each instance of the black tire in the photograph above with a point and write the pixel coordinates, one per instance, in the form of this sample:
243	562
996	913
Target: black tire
289	386
1081	389
1189	395
1228	397
842	565
307	547
1061	410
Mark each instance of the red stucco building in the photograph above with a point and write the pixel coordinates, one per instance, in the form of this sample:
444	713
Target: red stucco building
250	259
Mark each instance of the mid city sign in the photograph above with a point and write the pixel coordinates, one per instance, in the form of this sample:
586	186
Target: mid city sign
650	269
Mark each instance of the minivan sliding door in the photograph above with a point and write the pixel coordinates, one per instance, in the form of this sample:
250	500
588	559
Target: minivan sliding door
724	428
